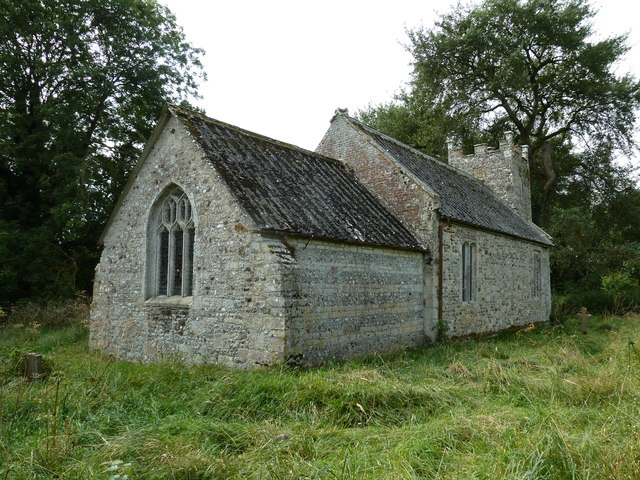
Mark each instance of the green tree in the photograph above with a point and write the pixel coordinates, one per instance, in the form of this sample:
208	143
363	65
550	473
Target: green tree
83	83
415	119
534	67
596	232
529	66
421	128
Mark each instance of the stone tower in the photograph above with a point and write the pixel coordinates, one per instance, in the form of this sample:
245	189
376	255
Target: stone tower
505	171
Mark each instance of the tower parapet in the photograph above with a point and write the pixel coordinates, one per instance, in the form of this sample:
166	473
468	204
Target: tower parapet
504	170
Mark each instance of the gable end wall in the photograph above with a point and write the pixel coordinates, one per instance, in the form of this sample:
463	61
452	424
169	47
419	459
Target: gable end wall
236	316
396	189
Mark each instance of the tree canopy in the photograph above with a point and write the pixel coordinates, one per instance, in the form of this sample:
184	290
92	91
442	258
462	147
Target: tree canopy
538	68
83	83
531	66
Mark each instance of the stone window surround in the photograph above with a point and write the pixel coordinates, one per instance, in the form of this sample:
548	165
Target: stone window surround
537	275
468	272
156	224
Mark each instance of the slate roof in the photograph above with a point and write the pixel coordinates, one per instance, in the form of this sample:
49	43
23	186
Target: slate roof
463	198
291	190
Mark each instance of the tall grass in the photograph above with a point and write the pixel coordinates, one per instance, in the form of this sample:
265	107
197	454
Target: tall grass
548	403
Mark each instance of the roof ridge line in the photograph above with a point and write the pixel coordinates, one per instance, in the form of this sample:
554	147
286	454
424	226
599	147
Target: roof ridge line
439	162
372	133
409	147
186	111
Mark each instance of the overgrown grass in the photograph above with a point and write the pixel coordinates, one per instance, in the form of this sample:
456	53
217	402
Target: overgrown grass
548	403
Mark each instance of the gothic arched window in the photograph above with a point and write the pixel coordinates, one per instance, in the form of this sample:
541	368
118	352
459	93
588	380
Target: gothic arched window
174	237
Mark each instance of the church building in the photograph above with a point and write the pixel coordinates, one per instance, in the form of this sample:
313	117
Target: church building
232	248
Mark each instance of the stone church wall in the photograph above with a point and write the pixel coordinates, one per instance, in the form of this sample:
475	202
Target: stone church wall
349	300
263	299
505	284
401	192
236	315
382	176
257	300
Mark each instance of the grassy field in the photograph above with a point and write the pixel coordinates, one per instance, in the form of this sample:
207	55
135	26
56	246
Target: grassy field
547	403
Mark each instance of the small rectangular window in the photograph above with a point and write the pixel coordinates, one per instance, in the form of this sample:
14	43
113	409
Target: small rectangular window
537	276
468	271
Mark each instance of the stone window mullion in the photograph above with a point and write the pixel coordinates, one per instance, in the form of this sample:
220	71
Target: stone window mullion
170	258
172	243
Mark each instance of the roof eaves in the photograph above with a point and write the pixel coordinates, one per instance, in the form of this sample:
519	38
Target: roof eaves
186	117
366	128
497	232
323	238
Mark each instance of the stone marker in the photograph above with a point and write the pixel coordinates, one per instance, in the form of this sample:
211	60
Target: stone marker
33	367
584	316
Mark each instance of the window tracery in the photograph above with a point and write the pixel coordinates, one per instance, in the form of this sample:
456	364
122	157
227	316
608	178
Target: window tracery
174	243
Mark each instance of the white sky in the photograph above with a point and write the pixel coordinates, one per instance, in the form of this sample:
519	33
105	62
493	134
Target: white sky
281	67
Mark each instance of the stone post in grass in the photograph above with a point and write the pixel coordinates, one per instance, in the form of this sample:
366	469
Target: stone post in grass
33	367
584	317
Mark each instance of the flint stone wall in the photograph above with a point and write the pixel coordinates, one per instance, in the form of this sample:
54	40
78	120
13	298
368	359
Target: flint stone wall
401	192
505	171
257	300
236	315
504	283
350	300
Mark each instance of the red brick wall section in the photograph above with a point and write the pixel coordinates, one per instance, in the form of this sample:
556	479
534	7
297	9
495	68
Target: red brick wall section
409	201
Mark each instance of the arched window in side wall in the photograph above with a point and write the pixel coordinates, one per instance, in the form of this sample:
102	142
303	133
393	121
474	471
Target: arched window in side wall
174	241
468	272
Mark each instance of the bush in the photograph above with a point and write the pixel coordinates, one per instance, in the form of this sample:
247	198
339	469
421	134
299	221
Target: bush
624	287
570	303
63	313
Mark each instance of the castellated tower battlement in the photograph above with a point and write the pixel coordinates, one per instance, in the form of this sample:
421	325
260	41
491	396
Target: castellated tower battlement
505	171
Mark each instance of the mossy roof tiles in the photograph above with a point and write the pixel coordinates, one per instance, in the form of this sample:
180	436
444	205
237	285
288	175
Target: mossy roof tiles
290	190
463	198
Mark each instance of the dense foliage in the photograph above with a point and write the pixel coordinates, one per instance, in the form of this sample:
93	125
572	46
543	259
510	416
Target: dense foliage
533	67
82	84
595	222
540	403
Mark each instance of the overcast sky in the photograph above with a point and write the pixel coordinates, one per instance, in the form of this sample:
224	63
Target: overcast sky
281	67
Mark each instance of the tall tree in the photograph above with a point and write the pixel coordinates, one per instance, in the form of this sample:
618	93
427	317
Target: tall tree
82	83
528	65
